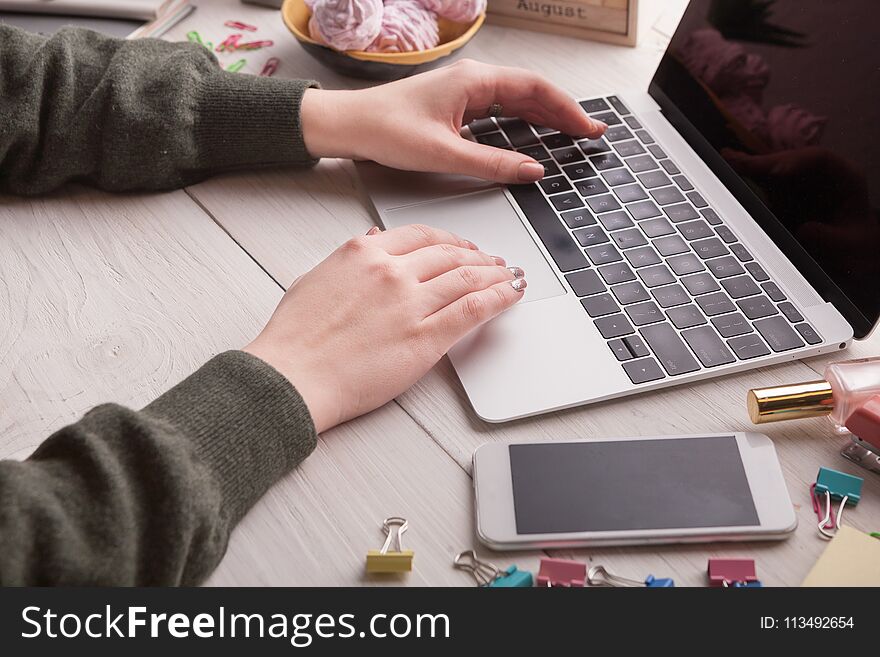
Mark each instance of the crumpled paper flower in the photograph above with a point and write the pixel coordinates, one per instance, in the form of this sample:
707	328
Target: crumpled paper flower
723	66
790	126
346	24
406	27
458	11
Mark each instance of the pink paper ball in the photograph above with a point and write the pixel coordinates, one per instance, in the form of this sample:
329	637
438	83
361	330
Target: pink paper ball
406	27
458	11
346	24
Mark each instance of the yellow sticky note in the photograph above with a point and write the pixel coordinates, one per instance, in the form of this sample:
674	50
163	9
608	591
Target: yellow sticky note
852	558
389	562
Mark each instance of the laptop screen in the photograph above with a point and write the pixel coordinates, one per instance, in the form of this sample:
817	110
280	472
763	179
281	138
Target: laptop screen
781	98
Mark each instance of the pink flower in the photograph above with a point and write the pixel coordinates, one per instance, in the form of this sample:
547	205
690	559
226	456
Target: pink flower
458	11
346	24
723	66
790	126
406	26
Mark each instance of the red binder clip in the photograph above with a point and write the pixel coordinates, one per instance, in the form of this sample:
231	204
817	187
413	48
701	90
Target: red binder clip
238	25
562	572
733	572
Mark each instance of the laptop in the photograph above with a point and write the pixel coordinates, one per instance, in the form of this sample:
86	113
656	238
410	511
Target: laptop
727	220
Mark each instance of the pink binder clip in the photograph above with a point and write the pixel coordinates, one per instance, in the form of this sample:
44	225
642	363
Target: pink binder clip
562	572
731	572
270	67
238	25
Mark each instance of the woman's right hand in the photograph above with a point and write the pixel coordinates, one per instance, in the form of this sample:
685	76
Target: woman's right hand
378	313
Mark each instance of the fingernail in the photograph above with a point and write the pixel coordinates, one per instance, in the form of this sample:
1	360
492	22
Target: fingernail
516	271
530	172
498	261
518	284
467	244
373	230
600	125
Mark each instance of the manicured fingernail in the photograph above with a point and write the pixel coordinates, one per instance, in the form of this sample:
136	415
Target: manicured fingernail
518	284
467	244
516	271
373	230
499	261
530	172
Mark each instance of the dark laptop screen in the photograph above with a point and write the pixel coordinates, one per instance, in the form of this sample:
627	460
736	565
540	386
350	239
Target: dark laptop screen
782	100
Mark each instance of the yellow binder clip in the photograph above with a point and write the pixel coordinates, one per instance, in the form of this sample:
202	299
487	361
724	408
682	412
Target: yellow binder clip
387	560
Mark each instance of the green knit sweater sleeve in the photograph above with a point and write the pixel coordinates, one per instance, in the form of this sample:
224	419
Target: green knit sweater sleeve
149	497
142	114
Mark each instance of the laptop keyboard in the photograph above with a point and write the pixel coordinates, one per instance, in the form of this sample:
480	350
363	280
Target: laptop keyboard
667	284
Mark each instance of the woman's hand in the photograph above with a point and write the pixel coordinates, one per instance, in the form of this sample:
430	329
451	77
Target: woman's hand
378	313
415	123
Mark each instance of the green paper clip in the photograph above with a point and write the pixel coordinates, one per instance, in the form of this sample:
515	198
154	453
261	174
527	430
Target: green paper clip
237	66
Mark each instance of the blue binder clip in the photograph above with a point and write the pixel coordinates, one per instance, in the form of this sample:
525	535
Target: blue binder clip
838	486
599	576
491	576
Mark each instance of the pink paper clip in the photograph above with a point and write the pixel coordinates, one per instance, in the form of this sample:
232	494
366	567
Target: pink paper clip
238	25
562	572
730	572
229	44
255	45
817	508
270	67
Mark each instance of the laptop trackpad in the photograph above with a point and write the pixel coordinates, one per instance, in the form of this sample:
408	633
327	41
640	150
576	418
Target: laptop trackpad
488	220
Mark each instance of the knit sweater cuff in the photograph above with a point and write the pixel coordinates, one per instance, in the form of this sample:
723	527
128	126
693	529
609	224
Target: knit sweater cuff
244	120
247	424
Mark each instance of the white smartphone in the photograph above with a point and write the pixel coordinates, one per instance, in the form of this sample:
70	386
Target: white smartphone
630	491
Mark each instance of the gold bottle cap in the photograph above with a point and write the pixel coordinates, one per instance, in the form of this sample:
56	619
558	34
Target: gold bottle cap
792	402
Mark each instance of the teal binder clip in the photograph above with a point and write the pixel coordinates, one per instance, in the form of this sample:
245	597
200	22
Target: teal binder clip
599	576
838	486
491	576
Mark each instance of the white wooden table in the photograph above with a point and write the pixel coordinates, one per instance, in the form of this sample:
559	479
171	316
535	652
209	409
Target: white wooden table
116	298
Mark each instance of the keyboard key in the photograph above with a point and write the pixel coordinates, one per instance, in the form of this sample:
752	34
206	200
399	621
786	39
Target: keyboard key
643	370
686	316
641	163
590	236
644	136
791	313
740	286
708	347
591	187
557	140
652	179
543	130
628	148
670	295
481	126
617	133
741	252
700	284
672	353
617	272
697	200
644	313
618	105
773	291
599	305
808	334
711	216
627	293
695	230
680	212
642	257
578	218
627	239
685	264
566	201
757	272
613	326
567	155
668	165
632	122
716	303
616	177
550	168
757	307
731	325
778	333
584	283
536	152
667	195
615	220
555	237
604	203
620	350
495	139
726	234
671	245
605	161
630	193
748	346
594	105
637	346
656	151
608	118
555	184
579	171
656	276
710	248
724	267
518	131
594	146
657	227
683	183
643	210
603	254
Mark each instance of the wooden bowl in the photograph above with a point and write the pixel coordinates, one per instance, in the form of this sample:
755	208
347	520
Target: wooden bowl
376	65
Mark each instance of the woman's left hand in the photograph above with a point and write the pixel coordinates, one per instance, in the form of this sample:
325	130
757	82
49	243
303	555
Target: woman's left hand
415	123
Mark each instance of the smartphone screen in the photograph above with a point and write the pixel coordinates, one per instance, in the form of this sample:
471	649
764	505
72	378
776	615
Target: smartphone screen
628	485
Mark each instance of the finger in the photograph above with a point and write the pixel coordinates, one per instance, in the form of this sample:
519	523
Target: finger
498	164
461	281
431	261
470	311
405	239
